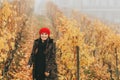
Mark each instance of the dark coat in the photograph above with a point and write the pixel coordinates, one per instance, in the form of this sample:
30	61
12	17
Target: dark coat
50	62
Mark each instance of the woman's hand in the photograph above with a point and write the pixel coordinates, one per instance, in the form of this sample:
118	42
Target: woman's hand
47	74
28	66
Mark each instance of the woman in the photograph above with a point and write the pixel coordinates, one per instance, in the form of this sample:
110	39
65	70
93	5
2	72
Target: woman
43	57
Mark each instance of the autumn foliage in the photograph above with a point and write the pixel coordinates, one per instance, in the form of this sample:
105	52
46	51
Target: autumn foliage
99	45
13	30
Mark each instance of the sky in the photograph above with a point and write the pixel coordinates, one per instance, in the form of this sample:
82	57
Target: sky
108	10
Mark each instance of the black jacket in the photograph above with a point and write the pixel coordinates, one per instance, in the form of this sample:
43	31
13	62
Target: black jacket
50	61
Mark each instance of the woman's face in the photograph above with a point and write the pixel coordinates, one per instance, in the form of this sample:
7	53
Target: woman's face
44	36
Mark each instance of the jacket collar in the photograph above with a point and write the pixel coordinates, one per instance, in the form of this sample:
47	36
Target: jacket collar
49	40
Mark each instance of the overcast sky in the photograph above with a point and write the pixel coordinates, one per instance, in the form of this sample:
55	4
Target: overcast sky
104	9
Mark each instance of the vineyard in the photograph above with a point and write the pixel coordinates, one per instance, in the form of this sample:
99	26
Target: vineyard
97	43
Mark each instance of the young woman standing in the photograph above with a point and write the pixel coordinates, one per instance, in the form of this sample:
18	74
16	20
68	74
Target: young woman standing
43	57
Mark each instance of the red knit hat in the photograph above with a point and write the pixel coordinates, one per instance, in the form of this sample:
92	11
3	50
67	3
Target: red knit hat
44	30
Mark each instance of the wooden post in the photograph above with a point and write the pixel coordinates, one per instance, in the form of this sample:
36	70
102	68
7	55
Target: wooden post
117	71
78	63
